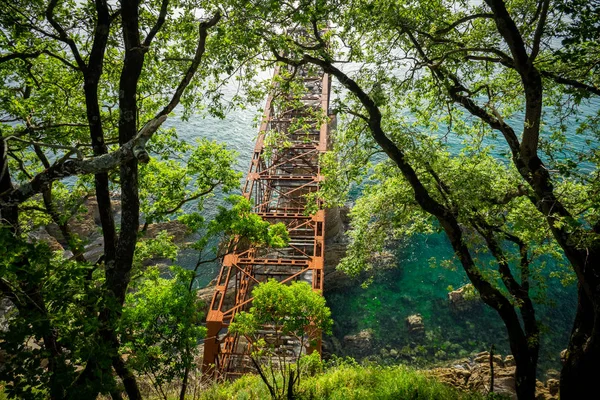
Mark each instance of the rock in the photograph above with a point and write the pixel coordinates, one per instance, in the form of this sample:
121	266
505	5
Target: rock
360	344
94	250
552	374
462	364
384	260
6	306
92	205
484	358
542	392
394	353
563	356
464	299
206	294
415	325
553	386
337	222
504	380
43	235
334	225
174	228
331	345
334	279
505	386
467	376
451	376
509	361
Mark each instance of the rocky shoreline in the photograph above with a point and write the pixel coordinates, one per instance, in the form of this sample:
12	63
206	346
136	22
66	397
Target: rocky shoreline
473	374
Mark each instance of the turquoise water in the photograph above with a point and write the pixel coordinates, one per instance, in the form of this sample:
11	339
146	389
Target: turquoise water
413	287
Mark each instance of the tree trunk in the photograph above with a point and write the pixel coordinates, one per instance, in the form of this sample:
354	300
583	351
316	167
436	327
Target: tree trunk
525	373
129	381
580	370
9	214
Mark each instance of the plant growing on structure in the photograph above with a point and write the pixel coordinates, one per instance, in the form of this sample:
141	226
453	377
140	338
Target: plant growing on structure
275	141
294	311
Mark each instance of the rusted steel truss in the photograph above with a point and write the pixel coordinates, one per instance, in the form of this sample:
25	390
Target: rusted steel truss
280	177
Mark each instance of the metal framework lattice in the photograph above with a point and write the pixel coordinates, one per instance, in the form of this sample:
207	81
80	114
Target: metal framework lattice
279	178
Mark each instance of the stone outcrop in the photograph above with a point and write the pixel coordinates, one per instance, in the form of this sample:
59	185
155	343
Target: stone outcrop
331	345
87	226
360	344
337	222
464	299
474	375
42	235
5	307
176	229
415	325
563	356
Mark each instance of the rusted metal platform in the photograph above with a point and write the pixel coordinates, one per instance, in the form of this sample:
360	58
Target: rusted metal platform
281	175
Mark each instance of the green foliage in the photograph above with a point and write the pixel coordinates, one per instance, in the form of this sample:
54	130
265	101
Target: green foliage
161	326
159	247
167	186
296	308
293	310
240	221
72	295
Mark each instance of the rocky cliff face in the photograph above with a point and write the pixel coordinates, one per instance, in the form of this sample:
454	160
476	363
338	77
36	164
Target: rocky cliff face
337	223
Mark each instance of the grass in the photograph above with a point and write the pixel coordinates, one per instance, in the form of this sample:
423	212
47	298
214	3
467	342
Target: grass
344	382
348	382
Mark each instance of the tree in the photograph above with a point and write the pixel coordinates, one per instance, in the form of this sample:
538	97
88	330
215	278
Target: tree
84	89
161	328
293	311
471	68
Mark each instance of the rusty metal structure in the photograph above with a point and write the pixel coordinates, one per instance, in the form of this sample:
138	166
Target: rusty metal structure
283	171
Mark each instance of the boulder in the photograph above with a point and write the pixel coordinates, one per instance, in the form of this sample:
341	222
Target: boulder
360	344
464	299
509	361
475	376
563	356
6	306
415	325
504	380
94	250
552	374
331	345
484	358
174	228
43	235
553	386
451	376
92	205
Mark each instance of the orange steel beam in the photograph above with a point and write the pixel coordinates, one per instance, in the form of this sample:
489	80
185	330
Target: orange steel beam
276	186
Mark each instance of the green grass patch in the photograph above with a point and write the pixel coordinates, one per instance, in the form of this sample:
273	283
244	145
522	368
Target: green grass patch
349	382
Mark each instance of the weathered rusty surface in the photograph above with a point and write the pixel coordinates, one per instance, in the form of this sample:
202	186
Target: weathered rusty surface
278	180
